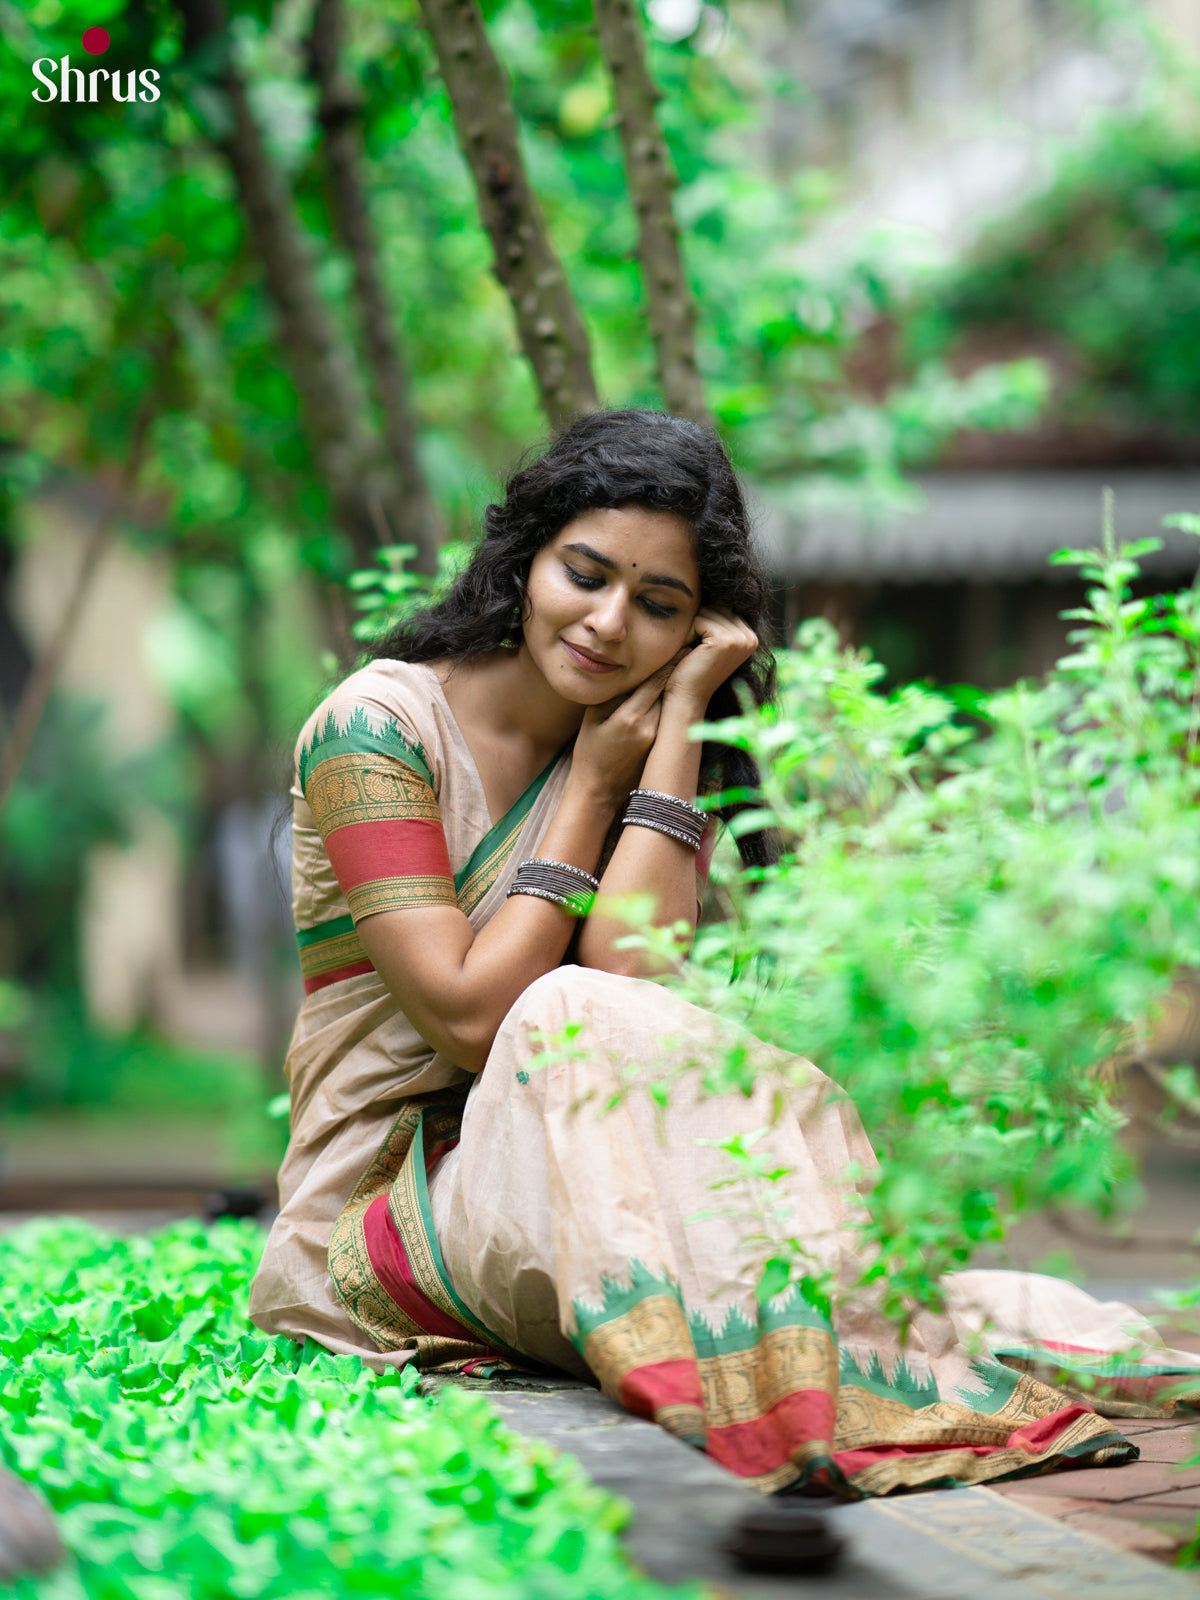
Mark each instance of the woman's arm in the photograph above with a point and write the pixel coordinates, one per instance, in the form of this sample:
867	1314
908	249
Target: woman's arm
456	986
646	861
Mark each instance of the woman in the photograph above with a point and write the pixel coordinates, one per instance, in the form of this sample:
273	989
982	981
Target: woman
465	1185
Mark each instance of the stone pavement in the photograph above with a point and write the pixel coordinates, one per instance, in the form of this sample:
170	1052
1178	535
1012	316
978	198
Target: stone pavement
1150	1506
1035	1541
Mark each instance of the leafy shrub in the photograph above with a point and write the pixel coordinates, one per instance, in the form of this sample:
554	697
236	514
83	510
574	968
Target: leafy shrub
973	916
188	1456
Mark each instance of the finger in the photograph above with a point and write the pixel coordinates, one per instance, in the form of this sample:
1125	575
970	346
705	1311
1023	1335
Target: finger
636	701
648	692
723	626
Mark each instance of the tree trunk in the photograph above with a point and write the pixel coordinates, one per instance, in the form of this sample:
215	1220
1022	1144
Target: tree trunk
549	323
348	454
651	179
414	519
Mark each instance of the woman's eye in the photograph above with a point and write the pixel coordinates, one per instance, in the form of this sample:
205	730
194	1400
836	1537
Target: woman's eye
582	579
589	581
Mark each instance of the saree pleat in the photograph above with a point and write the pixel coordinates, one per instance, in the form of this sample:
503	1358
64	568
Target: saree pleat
554	1212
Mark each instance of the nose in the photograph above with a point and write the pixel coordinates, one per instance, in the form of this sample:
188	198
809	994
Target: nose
608	618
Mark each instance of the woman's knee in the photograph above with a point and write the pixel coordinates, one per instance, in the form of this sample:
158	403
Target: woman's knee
565	995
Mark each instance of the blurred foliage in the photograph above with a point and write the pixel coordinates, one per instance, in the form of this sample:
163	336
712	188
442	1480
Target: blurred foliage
384	595
121	240
89	1085
74	795
1107	262
129	286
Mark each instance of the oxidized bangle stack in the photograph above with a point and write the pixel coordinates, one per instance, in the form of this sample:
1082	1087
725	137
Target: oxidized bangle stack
666	813
569	887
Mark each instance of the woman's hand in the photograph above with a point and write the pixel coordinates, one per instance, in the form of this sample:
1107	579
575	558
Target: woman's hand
723	642
615	738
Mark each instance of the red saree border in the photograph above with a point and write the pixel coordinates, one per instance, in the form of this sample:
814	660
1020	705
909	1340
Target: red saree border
391	1265
776	1410
384	1259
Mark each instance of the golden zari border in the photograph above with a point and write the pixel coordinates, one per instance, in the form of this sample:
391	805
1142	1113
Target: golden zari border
367	1302
348	789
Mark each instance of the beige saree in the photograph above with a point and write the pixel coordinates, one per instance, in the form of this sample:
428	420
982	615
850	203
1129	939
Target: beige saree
553	1212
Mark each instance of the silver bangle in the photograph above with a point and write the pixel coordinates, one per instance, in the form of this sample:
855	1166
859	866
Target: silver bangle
663	827
563	900
672	800
666	813
562	866
558	881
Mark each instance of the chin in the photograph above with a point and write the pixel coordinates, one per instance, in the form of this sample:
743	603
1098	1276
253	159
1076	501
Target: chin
587	693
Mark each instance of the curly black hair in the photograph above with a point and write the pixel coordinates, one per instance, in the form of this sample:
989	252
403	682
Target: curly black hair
611	459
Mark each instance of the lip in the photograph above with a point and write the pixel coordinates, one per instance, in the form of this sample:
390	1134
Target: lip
586	661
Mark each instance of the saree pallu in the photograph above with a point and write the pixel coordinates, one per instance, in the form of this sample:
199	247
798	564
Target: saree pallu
553	1212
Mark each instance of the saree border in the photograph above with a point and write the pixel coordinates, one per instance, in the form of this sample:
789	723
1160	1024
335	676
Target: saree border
398	1170
781	1404
486	862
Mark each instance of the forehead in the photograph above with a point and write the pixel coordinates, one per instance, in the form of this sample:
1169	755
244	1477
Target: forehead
633	535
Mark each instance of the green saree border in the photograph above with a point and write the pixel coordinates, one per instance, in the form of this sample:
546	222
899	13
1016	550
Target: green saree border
408	1202
366	1301
398	1170
486	861
359	735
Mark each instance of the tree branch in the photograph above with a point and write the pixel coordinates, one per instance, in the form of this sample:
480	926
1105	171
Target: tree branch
549	323
413	516
648	171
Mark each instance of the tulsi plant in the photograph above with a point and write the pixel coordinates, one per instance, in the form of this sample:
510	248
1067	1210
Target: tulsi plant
983	901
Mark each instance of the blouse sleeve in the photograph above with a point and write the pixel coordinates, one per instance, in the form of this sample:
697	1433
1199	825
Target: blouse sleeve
370	791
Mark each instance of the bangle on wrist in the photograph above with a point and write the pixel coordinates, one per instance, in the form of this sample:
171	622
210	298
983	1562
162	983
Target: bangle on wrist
569	887
666	813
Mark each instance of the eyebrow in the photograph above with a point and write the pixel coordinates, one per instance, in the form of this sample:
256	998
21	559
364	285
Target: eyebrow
659	580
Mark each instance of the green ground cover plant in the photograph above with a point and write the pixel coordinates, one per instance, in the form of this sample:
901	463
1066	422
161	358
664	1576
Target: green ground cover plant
185	1455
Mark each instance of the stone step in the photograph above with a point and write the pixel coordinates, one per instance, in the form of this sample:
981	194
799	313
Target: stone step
957	1544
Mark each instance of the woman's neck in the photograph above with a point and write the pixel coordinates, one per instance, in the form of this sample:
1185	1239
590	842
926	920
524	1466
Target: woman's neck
504	694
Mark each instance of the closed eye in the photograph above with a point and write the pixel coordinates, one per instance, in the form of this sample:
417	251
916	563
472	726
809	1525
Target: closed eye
587	581
582	579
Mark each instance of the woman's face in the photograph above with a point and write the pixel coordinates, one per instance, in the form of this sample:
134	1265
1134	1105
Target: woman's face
609	600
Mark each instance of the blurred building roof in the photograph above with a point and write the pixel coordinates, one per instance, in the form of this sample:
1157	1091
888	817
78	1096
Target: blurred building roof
986	527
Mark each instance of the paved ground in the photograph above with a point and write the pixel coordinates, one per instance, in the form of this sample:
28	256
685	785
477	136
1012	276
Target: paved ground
960	1544
1151	1506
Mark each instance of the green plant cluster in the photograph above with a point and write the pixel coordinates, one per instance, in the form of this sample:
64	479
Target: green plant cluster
975	917
187	1457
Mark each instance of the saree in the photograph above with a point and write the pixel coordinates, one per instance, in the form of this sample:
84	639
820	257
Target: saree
558	1211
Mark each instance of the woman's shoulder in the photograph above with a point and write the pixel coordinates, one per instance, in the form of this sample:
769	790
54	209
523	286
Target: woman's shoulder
385	707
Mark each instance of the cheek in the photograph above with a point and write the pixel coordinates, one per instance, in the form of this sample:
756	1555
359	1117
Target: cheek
539	597
660	641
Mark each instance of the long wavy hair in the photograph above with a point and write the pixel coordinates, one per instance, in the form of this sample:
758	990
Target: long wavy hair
611	459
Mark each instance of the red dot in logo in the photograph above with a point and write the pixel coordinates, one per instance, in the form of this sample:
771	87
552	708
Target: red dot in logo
95	41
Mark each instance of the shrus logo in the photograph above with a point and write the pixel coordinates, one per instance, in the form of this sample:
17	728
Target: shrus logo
61	81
